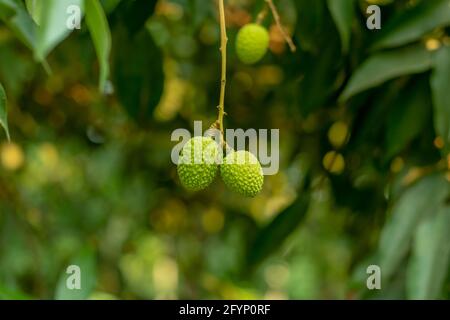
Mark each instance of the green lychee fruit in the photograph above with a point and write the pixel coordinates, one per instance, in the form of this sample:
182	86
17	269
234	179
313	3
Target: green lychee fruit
242	173
252	43
198	163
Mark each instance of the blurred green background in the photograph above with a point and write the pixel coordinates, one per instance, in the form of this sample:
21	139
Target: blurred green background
364	120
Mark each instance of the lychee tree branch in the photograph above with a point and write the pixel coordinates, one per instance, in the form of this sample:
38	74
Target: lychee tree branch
277	19
223	50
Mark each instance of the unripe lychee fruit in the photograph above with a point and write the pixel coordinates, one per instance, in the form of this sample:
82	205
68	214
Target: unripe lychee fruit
198	163
252	43
242	173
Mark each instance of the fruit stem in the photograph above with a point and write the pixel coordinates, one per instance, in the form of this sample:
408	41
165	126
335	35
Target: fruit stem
277	18
223	50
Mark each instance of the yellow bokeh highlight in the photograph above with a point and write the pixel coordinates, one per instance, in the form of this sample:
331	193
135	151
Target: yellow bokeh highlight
338	134
432	44
439	143
276	295
12	156
334	162
276	276
213	220
413	175
165	275
397	165
269	75
170	10
170	218
49	155
172	99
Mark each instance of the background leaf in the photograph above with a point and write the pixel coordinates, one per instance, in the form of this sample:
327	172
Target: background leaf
110	5
34	7
3	111
311	23
410	25
429	263
86	261
139	81
271	237
21	24
343	13
440	81
384	66
101	35
53	28
417	202
407	117
8	294
135	13
7	8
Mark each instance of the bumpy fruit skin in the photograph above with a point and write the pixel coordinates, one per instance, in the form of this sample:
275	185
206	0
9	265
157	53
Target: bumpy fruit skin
252	43
242	173
198	163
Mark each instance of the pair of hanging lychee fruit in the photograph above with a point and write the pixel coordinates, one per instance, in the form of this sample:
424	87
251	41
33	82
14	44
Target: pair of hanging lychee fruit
201	158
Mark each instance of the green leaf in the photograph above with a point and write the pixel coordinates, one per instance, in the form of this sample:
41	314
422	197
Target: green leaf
420	200
16	70
21	24
3	111
440	80
34	7
136	13
53	28
138	74
7	8
311	24
271	237
429	264
9	294
319	72
101	35
86	262
343	13
384	66
110	5
412	24
408	117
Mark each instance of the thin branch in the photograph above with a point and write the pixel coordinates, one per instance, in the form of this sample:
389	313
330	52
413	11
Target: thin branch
277	18
262	15
223	50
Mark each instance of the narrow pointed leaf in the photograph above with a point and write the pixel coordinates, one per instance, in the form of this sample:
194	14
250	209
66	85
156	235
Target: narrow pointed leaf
440	84
55	24
429	263
343	13
3	111
385	66
411	25
101	35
